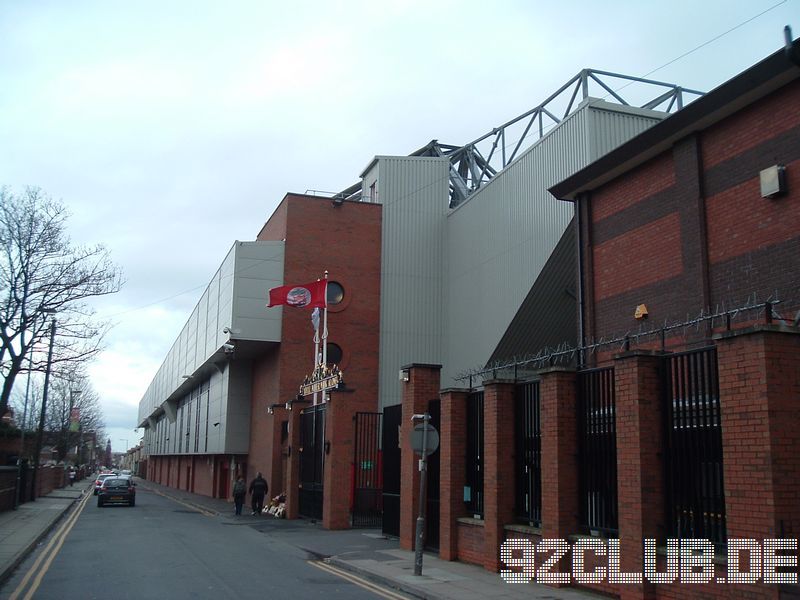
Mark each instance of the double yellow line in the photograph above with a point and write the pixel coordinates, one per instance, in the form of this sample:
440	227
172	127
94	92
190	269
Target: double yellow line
45	559
367	585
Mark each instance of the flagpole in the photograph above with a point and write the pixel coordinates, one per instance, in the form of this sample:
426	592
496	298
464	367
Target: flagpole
325	328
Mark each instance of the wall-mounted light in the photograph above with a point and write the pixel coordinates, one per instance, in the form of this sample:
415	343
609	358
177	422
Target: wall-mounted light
403	375
216	424
773	181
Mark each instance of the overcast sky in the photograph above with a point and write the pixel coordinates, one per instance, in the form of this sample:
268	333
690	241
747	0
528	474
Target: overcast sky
172	129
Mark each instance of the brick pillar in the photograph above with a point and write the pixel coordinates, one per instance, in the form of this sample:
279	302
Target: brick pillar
452	474
498	470
559	454
640	445
422	387
293	466
339	430
759	384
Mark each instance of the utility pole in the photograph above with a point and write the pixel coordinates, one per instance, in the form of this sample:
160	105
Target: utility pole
40	433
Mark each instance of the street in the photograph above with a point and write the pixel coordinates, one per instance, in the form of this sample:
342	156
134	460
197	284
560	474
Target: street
163	549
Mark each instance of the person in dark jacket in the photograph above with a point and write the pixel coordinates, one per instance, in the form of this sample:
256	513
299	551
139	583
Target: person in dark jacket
258	489
239	492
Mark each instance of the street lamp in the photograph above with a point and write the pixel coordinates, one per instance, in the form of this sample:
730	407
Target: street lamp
40	433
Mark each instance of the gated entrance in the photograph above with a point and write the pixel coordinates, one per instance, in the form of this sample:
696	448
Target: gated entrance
366	498
694	446
392	416
598	451
312	460
432	506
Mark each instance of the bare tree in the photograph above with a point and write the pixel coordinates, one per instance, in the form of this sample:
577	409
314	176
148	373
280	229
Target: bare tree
41	273
73	392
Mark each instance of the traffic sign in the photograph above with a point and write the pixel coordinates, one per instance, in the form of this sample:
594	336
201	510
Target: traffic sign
431	439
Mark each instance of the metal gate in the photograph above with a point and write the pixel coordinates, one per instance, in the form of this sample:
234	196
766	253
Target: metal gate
598	450
366	502
432	490
312	460
528	454
390	444
694	453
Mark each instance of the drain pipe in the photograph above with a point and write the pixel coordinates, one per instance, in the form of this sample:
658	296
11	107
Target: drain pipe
579	288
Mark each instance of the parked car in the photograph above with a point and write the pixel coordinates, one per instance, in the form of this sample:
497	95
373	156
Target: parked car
117	490
99	481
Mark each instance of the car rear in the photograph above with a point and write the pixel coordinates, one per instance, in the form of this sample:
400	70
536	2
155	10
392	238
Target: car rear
99	481
117	490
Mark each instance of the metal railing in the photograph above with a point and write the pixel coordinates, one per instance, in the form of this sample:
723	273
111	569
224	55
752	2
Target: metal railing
473	493
597	451
528	454
696	491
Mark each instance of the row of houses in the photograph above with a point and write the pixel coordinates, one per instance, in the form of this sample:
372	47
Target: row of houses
612	301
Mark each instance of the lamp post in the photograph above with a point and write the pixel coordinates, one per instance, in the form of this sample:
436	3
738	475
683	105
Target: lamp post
18	495
40	433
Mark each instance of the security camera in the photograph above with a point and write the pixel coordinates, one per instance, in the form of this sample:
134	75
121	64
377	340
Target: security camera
226	330
228	348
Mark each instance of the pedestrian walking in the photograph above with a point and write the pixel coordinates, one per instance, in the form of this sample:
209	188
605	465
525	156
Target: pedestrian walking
239	492
71	477
258	489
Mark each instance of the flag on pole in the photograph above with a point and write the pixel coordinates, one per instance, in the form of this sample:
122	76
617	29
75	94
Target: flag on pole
307	295
315	319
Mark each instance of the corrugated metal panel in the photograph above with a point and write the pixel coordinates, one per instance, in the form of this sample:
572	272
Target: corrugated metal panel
501	237
240	283
612	125
413	192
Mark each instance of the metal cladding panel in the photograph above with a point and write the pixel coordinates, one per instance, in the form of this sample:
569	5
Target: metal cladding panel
259	267
241	283
236	420
413	191
501	237
612	125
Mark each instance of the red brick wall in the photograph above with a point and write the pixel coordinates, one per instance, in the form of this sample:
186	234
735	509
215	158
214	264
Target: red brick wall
498	473
346	241
422	386
471	543
653	177
752	126
644	255
452	475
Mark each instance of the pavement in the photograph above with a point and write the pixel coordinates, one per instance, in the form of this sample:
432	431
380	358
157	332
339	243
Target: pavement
366	553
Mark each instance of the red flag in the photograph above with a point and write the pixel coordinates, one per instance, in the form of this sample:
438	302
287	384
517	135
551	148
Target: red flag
307	295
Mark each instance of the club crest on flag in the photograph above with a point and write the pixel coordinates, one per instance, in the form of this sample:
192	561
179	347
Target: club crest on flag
307	295
298	296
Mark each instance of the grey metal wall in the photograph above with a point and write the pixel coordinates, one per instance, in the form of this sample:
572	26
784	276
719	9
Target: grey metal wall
235	298
413	192
500	238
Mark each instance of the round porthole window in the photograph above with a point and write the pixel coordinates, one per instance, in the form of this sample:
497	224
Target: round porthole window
335	293
334	354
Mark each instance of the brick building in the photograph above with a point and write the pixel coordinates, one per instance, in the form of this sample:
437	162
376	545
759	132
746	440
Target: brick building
674	417
225	401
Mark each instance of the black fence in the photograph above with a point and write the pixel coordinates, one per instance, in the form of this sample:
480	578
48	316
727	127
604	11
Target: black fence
312	455
392	418
432	489
597	451
473	491
367	509
696	501
528	454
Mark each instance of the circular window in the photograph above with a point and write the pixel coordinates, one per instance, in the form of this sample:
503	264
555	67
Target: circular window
334	354
335	293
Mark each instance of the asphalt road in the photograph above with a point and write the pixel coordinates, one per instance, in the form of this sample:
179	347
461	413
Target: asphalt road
162	549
